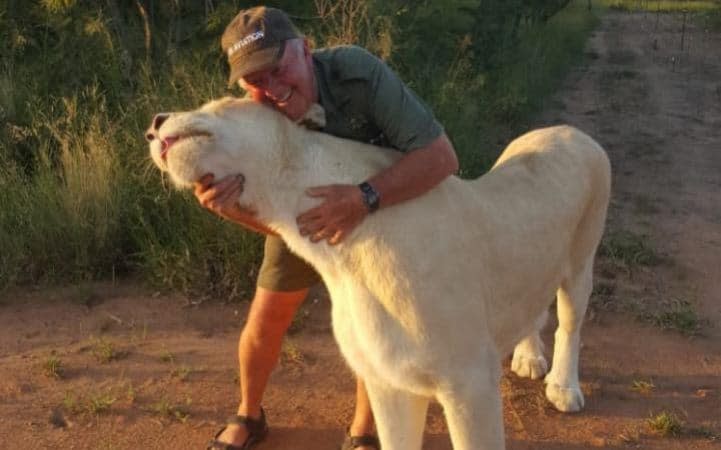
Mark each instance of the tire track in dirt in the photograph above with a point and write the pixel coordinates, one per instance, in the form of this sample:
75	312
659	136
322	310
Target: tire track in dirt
656	108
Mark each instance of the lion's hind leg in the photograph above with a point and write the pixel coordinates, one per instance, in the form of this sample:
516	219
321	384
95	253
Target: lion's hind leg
528	360
400	416
562	386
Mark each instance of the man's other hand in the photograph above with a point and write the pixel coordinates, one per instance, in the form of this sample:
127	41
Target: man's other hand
340	212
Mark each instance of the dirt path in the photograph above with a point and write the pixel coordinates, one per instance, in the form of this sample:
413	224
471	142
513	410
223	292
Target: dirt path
170	379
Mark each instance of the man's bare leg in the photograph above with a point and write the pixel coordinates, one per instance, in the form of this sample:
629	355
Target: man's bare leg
363	416
270	315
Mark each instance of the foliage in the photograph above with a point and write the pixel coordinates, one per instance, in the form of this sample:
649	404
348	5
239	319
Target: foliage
678	315
53	366
628	249
662	5
666	424
80	80
165	408
643	387
712	17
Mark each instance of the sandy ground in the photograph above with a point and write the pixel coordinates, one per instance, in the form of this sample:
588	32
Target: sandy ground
171	379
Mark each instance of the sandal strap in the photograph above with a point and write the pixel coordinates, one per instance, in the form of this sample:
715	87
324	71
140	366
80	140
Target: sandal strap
254	426
364	440
257	431
217	445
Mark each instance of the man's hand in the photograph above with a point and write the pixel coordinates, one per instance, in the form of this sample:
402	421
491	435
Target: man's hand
341	211
222	199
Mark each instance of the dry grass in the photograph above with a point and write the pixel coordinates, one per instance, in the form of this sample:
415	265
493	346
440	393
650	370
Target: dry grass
666	424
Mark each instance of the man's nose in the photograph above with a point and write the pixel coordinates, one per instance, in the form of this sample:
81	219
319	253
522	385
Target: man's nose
155	125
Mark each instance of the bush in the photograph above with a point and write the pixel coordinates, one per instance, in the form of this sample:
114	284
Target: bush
80	80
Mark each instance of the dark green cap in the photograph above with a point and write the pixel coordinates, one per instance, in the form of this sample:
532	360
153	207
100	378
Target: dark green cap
255	40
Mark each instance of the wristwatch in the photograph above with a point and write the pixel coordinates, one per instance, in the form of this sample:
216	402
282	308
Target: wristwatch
371	197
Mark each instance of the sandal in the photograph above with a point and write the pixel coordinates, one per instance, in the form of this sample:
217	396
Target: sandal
257	431
364	440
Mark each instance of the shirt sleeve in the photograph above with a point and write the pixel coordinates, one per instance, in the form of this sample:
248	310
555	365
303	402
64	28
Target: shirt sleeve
404	119
393	108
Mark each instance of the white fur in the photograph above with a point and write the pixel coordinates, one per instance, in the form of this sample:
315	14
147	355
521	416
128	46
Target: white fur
430	294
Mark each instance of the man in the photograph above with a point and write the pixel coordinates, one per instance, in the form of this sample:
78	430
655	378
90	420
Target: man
362	100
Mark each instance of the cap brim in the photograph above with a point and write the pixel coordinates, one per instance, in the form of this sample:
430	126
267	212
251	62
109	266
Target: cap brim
243	65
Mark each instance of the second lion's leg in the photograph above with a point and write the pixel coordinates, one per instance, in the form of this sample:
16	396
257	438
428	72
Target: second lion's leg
528	360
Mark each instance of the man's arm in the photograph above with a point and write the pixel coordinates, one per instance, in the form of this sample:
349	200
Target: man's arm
342	209
406	123
417	172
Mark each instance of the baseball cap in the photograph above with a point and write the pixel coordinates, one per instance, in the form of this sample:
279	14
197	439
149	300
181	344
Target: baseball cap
255	39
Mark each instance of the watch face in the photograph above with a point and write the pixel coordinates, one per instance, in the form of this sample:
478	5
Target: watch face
370	196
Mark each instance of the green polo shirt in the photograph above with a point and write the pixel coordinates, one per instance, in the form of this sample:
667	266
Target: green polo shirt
364	100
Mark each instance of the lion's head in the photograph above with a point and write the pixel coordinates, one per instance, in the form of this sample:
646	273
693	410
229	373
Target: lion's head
223	137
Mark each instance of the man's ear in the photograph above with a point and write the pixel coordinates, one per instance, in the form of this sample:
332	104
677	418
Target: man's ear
307	46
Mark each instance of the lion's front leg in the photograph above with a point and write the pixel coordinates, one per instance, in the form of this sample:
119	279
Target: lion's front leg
400	416
471	399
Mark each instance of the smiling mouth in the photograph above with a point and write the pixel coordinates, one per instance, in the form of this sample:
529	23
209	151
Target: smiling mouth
169	141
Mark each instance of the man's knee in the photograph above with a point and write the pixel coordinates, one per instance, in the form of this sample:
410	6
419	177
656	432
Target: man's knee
271	312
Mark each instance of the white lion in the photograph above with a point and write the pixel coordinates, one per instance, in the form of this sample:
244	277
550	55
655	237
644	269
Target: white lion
427	295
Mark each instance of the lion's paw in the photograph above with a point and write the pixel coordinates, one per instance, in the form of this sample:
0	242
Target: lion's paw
565	399
529	366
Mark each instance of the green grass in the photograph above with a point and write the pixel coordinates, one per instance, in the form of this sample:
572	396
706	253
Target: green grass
666	424
70	403
662	5
80	198
93	403
677	315
643	387
709	11
483	111
182	372
100	403
290	353
712	18
167	356
165	408
53	367
130	393
628	249
105	351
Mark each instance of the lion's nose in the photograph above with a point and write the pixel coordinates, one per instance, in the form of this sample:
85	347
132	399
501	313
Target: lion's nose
157	122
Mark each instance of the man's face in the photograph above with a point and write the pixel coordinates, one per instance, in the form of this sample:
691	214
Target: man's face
289	85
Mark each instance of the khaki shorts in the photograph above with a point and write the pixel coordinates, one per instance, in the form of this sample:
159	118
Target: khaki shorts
282	270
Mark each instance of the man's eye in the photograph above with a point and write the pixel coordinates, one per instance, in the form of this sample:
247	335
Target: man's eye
252	82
